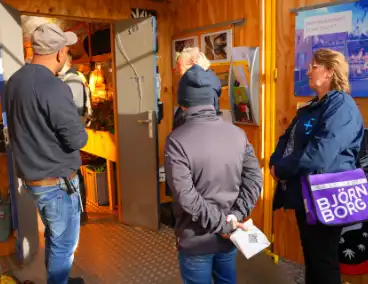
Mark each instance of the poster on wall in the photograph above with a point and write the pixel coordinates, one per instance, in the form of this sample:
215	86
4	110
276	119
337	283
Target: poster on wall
343	28
217	46
179	44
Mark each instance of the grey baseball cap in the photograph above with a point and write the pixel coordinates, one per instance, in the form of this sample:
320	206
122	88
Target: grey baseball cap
49	38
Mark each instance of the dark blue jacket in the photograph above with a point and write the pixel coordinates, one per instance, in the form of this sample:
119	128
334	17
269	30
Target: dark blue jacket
327	137
45	129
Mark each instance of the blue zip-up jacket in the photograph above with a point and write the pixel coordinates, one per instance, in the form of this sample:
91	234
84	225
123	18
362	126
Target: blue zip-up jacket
326	136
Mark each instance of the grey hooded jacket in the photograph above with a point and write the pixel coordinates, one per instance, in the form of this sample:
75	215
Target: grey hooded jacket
212	171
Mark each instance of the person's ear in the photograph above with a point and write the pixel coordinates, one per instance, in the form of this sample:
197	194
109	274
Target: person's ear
61	54
58	56
330	74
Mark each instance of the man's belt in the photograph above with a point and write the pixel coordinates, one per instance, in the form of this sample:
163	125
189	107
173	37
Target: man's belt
48	181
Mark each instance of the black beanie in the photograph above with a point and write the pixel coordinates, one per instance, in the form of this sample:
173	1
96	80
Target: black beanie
198	87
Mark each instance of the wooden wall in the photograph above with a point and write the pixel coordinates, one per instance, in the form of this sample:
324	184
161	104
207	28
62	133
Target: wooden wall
115	10
189	14
287	243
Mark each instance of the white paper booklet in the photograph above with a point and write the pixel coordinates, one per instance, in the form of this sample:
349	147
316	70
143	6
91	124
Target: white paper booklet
250	242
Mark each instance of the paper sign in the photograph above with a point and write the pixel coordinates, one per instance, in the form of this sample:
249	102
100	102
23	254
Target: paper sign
240	53
328	24
250	242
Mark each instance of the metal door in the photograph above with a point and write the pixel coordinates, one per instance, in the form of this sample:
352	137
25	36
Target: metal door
136	107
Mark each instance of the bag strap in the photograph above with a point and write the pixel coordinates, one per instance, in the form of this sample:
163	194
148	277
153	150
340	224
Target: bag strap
84	84
67	76
323	111
86	91
319	118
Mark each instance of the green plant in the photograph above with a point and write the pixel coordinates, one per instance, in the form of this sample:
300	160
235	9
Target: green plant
101	168
103	116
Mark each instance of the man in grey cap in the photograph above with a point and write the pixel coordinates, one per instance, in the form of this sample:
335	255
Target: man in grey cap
46	135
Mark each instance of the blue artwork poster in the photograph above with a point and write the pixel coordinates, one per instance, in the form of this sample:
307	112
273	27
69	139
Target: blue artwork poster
343	28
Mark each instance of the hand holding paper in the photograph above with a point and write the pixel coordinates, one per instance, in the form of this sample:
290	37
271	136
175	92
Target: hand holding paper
249	239
231	218
236	225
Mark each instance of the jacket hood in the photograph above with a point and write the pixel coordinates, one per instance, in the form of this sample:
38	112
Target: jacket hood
198	87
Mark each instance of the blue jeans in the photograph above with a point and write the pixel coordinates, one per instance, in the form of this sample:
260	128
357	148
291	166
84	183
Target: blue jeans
60	213
203	269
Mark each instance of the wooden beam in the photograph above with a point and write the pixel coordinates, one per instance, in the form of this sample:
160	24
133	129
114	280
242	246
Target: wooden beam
213	26
89	42
317	6
77	27
116	125
111	184
269	55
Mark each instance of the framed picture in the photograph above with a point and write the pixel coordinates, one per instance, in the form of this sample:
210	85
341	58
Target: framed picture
217	46
179	44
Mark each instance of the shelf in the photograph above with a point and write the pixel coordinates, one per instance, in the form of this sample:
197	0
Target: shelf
101	144
101	58
97	58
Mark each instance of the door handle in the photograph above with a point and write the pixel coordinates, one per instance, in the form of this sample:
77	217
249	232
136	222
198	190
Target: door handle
149	121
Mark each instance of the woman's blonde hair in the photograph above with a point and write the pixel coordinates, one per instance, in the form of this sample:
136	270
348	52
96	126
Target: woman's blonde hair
193	55
336	62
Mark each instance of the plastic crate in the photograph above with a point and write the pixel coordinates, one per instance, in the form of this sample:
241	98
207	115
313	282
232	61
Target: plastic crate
96	185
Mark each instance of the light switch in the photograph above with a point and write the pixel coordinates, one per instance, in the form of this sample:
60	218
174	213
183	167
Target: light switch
162	175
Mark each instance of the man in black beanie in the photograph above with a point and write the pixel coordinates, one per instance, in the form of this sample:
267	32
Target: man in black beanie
215	180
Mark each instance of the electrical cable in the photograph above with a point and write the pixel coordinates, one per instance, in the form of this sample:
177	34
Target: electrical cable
137	77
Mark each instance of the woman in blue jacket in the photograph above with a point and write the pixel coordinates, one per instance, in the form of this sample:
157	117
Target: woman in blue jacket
324	137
